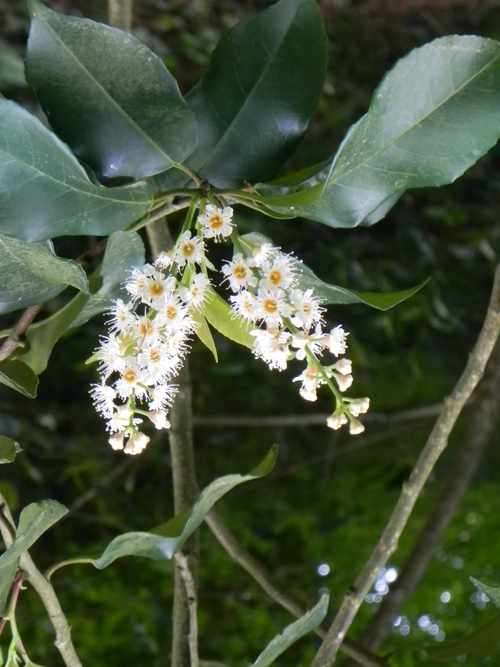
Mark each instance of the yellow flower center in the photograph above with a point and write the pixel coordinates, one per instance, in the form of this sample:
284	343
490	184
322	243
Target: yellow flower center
216	221
187	249
130	376
154	355
240	271
275	277
146	328
270	306
156	289
171	312
306	307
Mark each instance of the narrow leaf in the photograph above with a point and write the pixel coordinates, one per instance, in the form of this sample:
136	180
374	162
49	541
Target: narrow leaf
204	334
255	100
46	192
479	644
292	633
7	576
454	87
31	273
168	539
107	95
224	320
124	251
35	519
8	449
19	376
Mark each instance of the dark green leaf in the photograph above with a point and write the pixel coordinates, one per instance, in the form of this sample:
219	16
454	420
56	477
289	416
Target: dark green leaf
7	576
168	539
292	633
480	643
31	273
46	193
18	376
432	117
124	250
492	592
204	334
258	94
35	519
224	320
8	449
107	95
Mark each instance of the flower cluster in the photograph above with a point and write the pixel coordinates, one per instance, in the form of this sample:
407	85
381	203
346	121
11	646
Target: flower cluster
266	292
148	339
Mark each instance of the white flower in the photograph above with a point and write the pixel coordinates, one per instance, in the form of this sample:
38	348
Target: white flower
116	441
162	397
189	250
359	406
120	419
343	381
307	309
336	420
264	254
336	340
277	271
343	366
244	305
216	222
174	315
196	294
356	427
310	383
239	273
164	260
137	443
122	316
272	346
314	342
159	419
103	397
271	306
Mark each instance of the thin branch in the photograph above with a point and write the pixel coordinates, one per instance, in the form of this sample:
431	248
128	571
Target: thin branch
12	340
190	586
46	592
466	458
259	573
434	447
120	14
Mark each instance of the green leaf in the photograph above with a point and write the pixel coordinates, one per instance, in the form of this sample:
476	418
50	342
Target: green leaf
433	116
47	193
224	320
8	574
8	449
255	100
18	376
492	592
43	335
31	273
107	95
124	250
204	334
292	633
35	519
480	643
168	539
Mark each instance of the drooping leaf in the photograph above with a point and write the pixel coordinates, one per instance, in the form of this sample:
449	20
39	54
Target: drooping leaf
45	192
31	273
19	376
124	250
35	519
43	335
492	592
204	334
433	116
107	95
256	98
8	449
223	319
292	633
168	539
479	644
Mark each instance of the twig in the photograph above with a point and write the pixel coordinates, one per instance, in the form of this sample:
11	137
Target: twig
466	458
12	340
46	592
190	586
120	14
256	570
435	445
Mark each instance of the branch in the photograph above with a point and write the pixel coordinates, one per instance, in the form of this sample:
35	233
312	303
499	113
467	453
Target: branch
256	570
45	590
435	445
120	14
12	340
190	586
466	458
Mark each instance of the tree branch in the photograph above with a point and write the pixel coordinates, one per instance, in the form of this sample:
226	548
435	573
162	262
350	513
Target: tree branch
46	592
190	586
120	14
12	340
259	573
435	445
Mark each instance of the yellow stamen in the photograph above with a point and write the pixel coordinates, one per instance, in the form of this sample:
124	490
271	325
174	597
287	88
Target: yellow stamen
270	306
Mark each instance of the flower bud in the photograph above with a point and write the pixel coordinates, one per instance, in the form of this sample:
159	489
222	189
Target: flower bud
343	366
359	406
159	419
356	427
336	420
343	381
116	441
136	443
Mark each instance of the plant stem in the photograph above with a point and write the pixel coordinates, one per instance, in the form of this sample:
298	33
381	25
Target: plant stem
25	320
120	14
436	443
45	591
190	586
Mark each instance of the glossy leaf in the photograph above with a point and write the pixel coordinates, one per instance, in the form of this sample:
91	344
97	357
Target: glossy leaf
204	334
292	633
19	376
45	192
35	519
492	592
124	250
31	273
168	539
480	643
43	335
255	100
223	319
454	87
107	95
8	449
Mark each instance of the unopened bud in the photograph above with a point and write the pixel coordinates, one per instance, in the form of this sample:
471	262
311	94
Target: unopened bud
356	427
343	366
336	420
116	441
159	419
344	381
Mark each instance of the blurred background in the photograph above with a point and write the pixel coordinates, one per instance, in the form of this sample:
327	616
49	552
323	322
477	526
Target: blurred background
316	519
